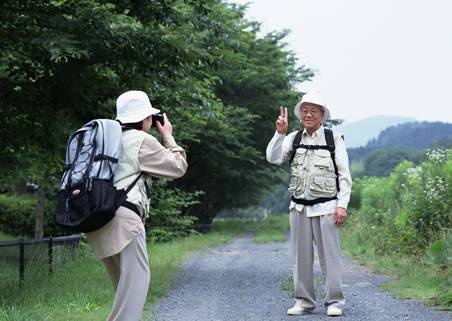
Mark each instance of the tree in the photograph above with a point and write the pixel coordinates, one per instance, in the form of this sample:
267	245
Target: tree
381	162
63	63
256	76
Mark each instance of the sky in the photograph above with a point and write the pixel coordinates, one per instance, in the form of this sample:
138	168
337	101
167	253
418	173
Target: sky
380	57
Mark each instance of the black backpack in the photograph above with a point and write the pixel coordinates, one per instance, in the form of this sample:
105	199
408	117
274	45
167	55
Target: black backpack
88	199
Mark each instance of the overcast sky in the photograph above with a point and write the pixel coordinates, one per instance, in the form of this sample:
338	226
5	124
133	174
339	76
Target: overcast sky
380	57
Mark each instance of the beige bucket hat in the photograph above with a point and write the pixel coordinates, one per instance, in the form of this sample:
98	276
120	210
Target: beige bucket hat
134	106
313	97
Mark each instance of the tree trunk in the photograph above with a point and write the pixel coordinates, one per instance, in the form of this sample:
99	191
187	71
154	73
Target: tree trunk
39	218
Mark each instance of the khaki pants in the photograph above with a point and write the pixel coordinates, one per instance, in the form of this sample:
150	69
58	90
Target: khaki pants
129	272
322	230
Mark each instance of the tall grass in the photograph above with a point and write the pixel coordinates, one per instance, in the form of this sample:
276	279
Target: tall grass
402	225
412	276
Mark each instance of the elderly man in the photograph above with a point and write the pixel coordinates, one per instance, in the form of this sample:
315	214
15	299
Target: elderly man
320	186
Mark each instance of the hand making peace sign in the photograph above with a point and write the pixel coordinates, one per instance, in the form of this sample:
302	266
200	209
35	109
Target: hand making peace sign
282	121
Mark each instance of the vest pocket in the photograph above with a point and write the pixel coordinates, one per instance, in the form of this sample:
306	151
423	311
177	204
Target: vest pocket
322	160
294	180
299	157
322	186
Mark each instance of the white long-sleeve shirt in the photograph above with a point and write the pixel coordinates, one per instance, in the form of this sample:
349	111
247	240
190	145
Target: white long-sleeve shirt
279	150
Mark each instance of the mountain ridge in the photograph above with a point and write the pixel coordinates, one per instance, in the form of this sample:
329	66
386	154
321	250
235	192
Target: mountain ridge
414	135
359	133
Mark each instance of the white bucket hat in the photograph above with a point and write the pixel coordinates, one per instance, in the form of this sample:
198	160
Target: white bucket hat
134	106
312	97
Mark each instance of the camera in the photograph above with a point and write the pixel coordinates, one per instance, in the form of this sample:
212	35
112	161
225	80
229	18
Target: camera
158	118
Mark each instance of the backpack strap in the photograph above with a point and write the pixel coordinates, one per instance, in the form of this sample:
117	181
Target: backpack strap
331	146
129	188
295	144
128	204
314	201
314	146
99	157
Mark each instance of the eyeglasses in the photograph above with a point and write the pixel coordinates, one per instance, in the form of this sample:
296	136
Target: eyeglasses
313	112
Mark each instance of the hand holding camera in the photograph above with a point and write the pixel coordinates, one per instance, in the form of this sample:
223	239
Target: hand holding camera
159	117
163	125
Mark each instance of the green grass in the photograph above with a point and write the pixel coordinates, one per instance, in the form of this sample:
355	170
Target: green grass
274	228
80	288
411	277
7	237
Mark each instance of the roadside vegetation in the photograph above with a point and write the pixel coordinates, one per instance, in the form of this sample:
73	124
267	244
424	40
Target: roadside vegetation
402	226
273	228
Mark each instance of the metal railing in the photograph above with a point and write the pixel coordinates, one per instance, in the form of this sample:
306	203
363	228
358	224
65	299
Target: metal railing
51	241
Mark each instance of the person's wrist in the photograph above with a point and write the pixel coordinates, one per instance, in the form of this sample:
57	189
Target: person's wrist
168	140
167	135
342	204
164	132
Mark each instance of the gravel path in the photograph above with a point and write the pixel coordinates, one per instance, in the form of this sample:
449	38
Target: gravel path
243	281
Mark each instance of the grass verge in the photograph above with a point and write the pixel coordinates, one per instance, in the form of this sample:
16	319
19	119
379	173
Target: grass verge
80	289
412	277
274	228
7	237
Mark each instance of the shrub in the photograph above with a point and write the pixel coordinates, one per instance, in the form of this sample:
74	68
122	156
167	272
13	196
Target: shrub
17	216
166	220
406	211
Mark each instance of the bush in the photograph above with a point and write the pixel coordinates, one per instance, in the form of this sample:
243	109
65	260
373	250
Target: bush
406	211
166	219
17	216
409	212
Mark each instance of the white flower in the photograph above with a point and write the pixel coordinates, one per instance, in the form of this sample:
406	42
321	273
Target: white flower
437	154
434	188
413	172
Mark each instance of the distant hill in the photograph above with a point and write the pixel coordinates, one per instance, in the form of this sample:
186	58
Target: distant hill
358	133
415	135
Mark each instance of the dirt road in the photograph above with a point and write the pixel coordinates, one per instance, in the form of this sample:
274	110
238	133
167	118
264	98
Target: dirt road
244	281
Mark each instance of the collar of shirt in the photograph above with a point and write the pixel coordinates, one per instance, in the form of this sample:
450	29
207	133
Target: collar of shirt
318	133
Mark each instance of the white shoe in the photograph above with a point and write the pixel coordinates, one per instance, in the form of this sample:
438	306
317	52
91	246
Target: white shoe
333	311
297	309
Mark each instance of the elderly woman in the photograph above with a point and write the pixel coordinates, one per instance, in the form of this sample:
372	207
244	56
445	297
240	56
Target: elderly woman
121	244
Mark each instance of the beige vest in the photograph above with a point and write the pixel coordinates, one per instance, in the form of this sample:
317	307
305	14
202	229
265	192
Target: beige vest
312	172
128	169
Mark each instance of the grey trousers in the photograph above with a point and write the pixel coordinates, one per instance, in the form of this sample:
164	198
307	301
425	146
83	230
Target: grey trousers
130	274
322	230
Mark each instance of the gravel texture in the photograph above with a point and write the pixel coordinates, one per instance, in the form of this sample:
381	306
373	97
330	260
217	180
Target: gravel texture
244	281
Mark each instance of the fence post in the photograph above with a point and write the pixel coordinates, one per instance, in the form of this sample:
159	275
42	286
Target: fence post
21	263
72	248
50	252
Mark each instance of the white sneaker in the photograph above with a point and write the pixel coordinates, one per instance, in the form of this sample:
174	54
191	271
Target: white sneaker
333	311
297	309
